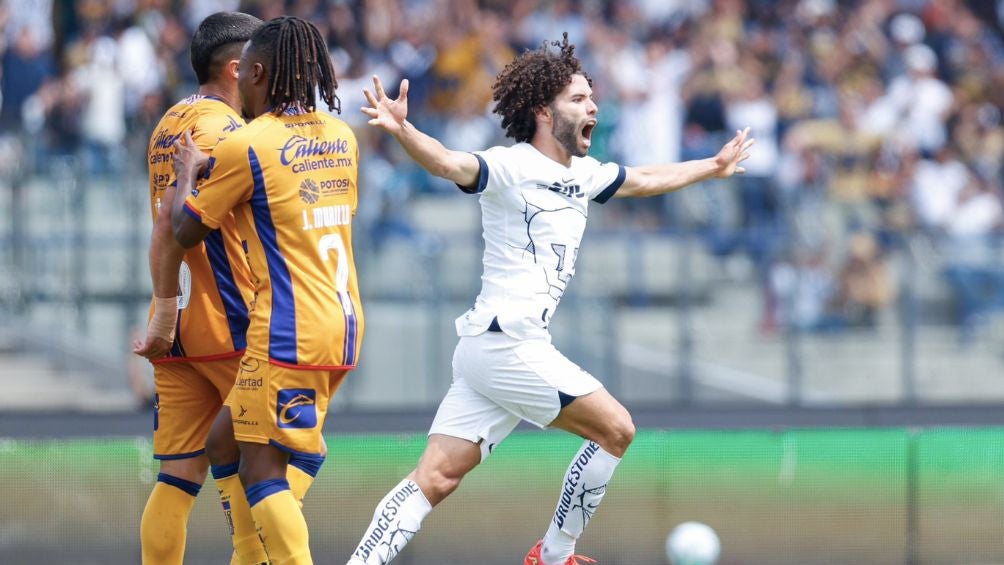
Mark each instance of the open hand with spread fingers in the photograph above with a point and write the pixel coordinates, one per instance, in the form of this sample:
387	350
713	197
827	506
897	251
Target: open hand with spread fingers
384	112
734	152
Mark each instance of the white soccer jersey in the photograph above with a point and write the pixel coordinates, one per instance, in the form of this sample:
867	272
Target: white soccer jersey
533	212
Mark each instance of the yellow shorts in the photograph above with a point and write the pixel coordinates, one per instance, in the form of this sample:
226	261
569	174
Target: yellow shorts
281	406
189	395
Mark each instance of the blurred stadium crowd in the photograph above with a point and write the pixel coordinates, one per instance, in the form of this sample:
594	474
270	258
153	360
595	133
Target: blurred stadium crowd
873	118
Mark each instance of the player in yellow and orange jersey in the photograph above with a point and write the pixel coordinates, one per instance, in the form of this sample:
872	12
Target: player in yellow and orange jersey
198	323
199	315
289	177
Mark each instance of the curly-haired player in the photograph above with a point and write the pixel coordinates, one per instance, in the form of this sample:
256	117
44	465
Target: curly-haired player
534	197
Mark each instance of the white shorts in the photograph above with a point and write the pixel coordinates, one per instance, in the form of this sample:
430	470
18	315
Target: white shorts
499	380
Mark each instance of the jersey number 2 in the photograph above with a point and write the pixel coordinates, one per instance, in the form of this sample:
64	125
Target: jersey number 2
327	243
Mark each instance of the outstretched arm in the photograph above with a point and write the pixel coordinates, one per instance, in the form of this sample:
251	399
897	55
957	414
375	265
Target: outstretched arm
391	115
660	179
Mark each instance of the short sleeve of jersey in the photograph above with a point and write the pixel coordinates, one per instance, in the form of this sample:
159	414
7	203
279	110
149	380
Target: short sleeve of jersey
601	180
213	127
495	170
226	182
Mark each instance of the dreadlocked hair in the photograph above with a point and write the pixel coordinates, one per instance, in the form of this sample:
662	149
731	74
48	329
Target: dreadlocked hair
532	80
299	65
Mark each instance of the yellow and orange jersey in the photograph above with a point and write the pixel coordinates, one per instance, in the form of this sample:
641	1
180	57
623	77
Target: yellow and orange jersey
291	183
215	282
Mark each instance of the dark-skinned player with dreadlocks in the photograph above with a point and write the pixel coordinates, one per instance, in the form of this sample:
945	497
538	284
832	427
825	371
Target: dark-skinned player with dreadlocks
289	177
195	336
534	197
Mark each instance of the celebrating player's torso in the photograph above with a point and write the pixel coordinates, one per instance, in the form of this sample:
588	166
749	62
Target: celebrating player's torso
533	213
294	178
214	283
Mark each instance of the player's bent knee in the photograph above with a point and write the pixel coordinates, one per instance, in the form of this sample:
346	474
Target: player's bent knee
191	469
626	433
261	462
221	446
436	484
619	436
222	449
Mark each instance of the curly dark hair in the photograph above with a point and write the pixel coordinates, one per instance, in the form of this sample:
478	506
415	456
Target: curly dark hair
532	80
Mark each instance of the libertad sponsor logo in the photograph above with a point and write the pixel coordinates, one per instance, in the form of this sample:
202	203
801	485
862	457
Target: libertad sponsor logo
386	519
249	383
572	481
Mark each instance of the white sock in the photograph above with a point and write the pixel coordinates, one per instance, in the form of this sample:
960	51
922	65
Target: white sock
581	492
396	520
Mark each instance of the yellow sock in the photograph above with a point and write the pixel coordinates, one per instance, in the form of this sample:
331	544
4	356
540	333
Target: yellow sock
280	522
164	526
248	549
300	473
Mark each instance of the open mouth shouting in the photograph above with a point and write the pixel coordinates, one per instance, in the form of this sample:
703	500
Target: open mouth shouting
586	133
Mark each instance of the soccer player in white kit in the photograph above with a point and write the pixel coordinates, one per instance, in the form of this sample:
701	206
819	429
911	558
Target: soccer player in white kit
534	197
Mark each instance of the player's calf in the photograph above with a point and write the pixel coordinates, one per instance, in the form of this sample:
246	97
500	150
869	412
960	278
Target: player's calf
582	490
396	520
163	527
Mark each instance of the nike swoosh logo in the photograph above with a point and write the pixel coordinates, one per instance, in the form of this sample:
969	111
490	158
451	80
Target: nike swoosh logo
570	179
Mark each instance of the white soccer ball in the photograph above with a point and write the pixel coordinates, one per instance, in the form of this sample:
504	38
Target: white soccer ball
693	543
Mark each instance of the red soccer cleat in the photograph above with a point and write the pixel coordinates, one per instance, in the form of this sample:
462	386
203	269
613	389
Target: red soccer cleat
533	558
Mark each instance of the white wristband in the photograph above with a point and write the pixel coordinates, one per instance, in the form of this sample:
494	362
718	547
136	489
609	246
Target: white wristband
164	318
